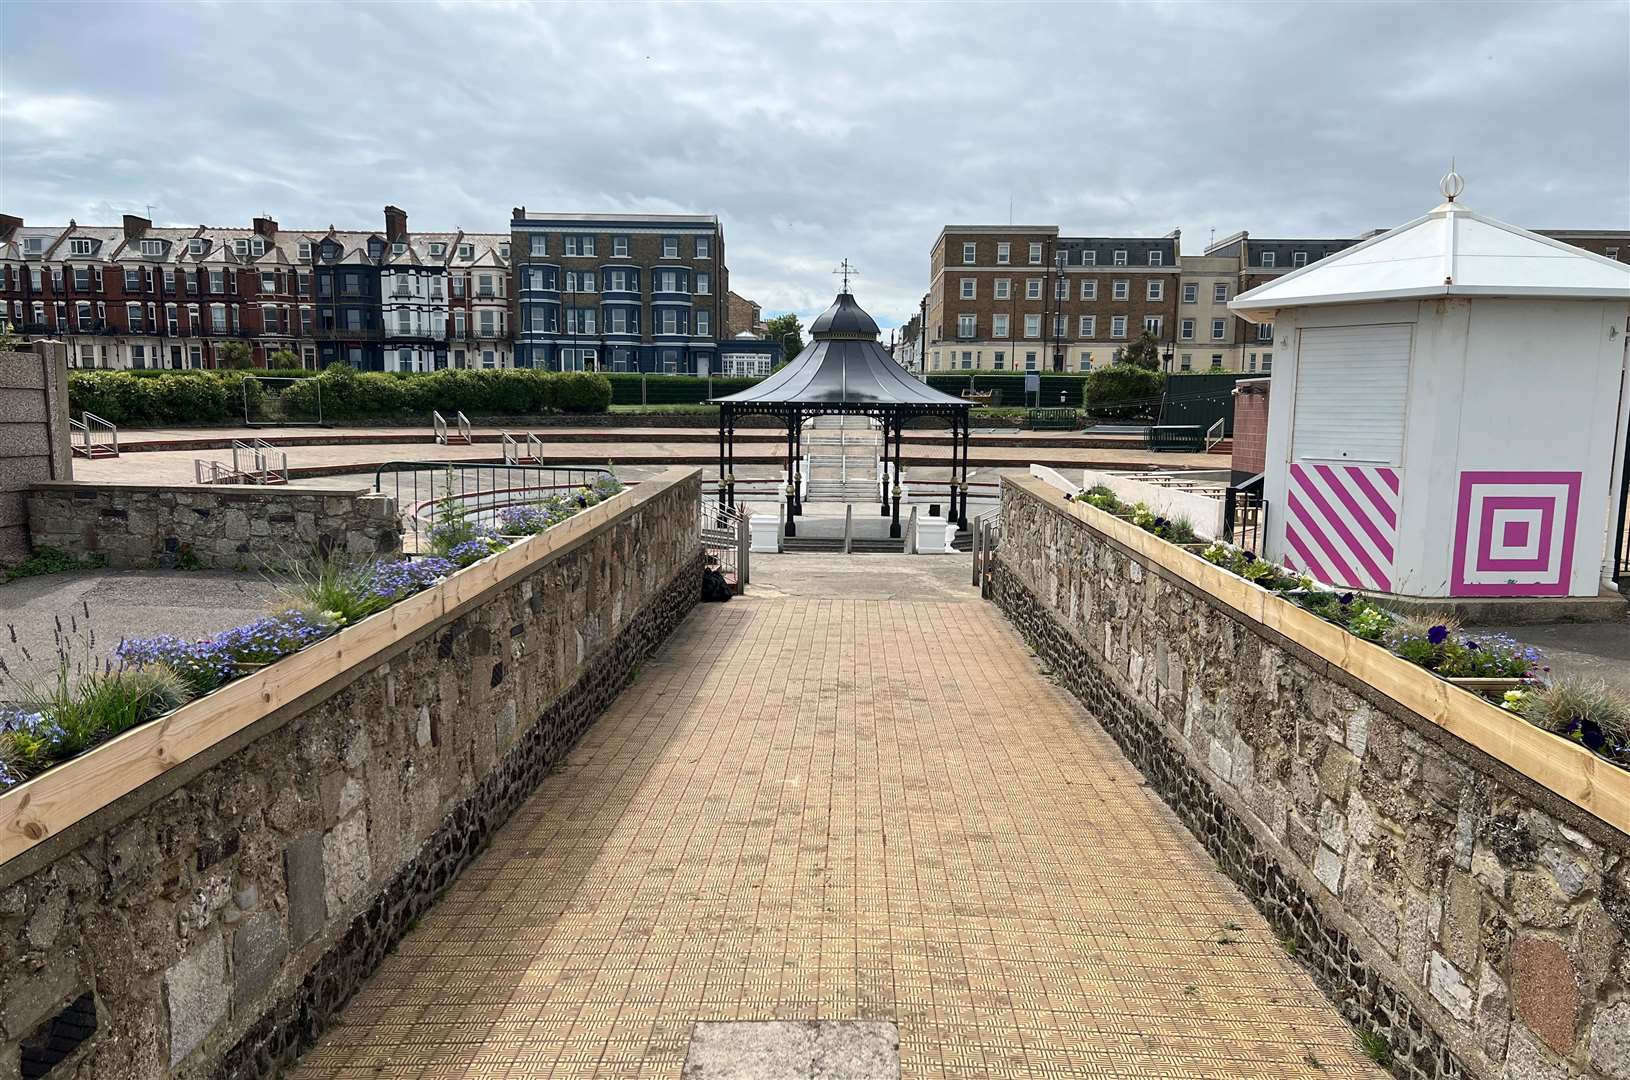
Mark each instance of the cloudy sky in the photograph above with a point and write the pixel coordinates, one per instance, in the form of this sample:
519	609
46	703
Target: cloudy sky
819	131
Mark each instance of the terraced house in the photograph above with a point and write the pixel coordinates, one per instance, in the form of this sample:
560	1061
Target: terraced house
620	292
136	296
1024	298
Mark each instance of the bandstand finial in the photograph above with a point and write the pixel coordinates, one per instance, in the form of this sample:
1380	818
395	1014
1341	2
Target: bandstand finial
847	272
1452	183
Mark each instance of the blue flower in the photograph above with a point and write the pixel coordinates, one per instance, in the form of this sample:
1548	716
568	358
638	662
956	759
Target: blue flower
1437	635
1590	733
1344	599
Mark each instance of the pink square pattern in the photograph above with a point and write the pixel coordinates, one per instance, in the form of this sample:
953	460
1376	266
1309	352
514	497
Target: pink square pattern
1514	533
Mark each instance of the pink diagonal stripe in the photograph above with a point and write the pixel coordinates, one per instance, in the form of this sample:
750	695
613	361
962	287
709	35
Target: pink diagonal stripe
1390	476
1354	549
1315	530
1313	566
1382	507
1352	505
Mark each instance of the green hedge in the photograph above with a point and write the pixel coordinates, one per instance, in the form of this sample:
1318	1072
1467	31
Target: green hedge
1138	388
671	389
125	397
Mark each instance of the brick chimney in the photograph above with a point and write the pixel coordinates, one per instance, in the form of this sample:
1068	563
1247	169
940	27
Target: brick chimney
267	227
395	224
9	224
136	226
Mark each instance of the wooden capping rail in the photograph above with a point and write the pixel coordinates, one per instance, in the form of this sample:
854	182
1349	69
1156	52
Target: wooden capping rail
67	793
1593	784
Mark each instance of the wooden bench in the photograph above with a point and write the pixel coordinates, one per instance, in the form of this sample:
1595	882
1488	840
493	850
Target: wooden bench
1053	419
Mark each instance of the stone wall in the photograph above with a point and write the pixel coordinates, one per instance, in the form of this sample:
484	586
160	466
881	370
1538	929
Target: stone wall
216	527
33	436
214	920
1473	919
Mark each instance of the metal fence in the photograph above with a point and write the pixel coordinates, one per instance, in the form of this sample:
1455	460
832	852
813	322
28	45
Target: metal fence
1245	514
724	539
428	493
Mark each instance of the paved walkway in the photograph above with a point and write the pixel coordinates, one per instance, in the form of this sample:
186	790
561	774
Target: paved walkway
819	807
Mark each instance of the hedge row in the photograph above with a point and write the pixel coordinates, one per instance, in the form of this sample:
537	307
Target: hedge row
199	398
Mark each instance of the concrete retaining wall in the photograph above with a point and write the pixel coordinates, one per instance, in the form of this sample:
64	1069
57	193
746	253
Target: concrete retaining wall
217	527
33	436
1475	920
215	918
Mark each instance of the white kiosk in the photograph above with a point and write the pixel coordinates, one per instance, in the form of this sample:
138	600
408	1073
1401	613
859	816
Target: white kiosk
1449	411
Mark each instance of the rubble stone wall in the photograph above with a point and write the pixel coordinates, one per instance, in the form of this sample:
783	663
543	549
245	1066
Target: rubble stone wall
1474	920
213	921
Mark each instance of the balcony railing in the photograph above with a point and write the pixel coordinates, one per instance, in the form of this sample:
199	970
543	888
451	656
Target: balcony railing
340	333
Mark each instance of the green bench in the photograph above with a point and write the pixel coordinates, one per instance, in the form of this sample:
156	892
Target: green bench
1053	419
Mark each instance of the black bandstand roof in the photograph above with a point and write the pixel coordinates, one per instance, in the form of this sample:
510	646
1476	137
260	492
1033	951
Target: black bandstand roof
843	369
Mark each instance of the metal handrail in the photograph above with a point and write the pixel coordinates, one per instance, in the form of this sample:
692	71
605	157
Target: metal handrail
265	454
438	424
465	430
534	448
1214	434
90	429
512	452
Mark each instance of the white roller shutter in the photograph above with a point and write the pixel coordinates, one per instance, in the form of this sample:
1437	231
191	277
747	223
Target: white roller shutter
1352	387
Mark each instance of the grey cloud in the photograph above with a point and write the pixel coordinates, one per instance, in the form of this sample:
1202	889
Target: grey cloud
821	131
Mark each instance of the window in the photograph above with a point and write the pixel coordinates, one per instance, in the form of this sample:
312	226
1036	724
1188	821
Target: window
1267	258
152	247
1002	253
197	245
96	273
590	282
1004	288
967	288
1157	258
1087	326
670	321
132	280
1219	293
82	278
1191	292
217	318
1035	254
1030	361
305	250
585	245
998	326
1123	289
538	244
172	321
217	281
456	285
704	247
466	251
1061	288
1219	329
1032	288
169	281
1032	326
670	247
33	245
1089	258
1001	360
1120	256
1186	363
704	323
503	249
398	248
489	326
617	281
969	252
619	246
704	284
966	326
667	281
438	249
1089	290
1152	324
1612	253
257	246
1156	290
1117	326
1185	329
268	281
1267	361
1264	331
79	247
1298	258
82	314
617	321
138	356
1058	326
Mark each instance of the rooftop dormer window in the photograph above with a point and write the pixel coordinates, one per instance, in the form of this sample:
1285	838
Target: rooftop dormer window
503	250
398	249
1120	256
1156	258
376	248
305	251
1267	258
257	245
33	245
240	246
438	249
197	245
1298	258
152	247
79	247
331	251
466	251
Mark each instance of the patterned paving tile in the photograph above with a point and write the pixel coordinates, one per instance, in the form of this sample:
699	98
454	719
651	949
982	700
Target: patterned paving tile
839	809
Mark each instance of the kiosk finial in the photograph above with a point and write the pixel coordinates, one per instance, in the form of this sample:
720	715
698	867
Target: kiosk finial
1452	183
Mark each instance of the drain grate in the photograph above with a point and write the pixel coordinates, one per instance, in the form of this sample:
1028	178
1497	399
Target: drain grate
58	1037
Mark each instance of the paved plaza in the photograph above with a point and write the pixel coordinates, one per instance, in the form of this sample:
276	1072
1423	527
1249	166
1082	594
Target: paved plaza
815	805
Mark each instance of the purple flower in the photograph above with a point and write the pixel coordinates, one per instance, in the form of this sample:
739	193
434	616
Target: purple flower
1344	599
1472	645
203	665
1437	635
1590	733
